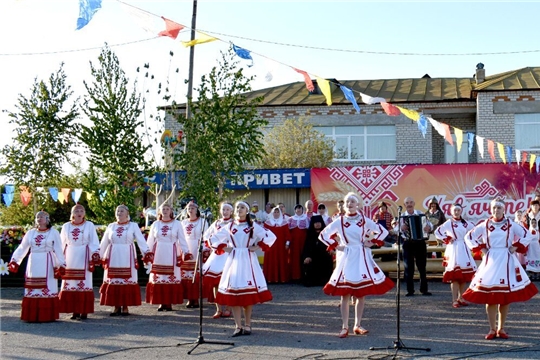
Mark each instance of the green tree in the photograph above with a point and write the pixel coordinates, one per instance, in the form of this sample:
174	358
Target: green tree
223	137
296	144
45	135
116	153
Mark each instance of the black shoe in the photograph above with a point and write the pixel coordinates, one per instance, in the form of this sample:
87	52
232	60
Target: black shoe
84	316
237	332
116	313
75	316
426	293
410	294
161	308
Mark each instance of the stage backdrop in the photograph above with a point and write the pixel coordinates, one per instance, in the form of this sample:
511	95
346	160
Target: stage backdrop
473	185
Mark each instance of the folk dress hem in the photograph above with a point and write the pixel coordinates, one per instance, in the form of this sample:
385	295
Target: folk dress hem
458	275
168	294
359	290
79	302
500	298
40	309
120	294
244	300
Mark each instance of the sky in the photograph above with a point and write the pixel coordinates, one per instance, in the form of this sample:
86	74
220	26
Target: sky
345	40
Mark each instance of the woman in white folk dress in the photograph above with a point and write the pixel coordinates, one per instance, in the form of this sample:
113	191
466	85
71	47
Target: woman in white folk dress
531	220
45	266
120	286
356	273
458	262
500	278
213	267
166	240
81	249
242	282
194	227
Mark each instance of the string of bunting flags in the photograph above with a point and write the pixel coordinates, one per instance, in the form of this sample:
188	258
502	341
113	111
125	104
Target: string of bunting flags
147	21
59	195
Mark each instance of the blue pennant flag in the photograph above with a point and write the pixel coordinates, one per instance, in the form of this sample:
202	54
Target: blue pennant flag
243	53
8	198
102	194
422	125
509	154
470	140
87	9
350	96
76	195
537	163
54	193
10	189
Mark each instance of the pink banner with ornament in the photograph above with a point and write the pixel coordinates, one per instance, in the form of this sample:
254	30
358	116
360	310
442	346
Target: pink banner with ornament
473	185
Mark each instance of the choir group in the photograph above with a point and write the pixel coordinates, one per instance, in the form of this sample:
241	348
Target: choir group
300	247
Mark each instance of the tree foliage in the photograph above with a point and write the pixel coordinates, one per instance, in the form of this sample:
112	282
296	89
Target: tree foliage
116	153
223	137
45	131
296	144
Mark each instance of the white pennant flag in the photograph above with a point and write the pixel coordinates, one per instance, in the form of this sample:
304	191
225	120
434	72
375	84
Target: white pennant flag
480	145
437	126
371	100
518	157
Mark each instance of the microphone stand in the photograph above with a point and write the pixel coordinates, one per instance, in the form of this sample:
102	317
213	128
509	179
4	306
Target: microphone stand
398	343
199	269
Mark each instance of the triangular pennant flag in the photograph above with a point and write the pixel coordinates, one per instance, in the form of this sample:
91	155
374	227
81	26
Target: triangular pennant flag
10	189
531	162
371	100
509	153
203	39
537	163
65	192
480	145
349	95
26	196
411	114
470	141
500	148
61	198
459	138
518	156
76	195
422	125
390	109
102	194
243	53
491	149
54	193
324	85
307	79
87	9
447	135
172	29
88	195
147	21
8	198
524	156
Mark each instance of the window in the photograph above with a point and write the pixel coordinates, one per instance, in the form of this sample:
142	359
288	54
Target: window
527	129
362	143
451	154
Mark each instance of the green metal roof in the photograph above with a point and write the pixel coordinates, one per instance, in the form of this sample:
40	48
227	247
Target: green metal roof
527	78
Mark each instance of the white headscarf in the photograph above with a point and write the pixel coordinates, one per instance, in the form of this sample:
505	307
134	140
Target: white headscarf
272	221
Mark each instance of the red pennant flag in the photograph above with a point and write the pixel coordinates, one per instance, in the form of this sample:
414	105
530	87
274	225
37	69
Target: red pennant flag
491	149
447	135
524	156
26	196
171	29
307	79
390	109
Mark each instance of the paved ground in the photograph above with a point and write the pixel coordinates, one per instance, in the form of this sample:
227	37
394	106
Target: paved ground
300	323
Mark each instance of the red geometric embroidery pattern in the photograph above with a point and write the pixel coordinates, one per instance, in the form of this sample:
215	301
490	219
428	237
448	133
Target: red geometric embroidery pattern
165	230
39	239
75	234
119	231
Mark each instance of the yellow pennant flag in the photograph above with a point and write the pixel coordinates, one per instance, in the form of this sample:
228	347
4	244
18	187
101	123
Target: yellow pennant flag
61	198
204	38
411	114
88	195
532	162
459	138
324	85
500	147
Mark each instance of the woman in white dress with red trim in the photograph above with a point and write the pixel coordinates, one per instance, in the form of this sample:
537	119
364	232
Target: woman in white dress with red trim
500	278
81	250
213	267
194	227
166	240
458	262
356	273
120	286
45	265
242	282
